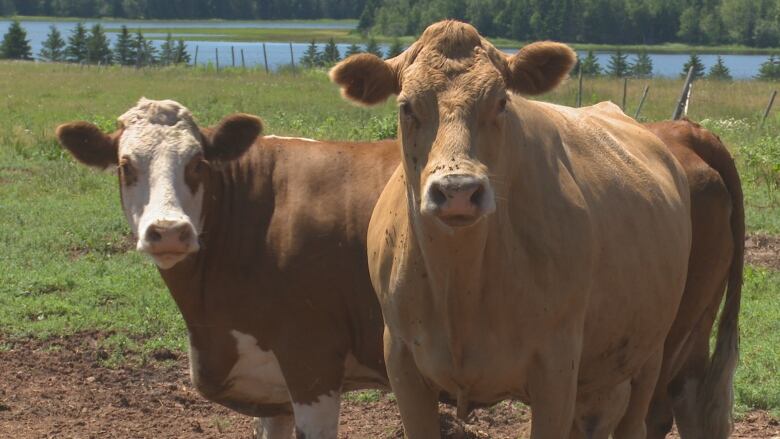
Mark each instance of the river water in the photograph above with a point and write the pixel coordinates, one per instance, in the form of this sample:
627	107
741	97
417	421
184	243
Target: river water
278	54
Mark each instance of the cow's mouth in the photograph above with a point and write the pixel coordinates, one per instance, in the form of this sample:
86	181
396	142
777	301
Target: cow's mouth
459	220
168	259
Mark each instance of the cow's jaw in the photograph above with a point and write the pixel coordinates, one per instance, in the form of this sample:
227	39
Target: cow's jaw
163	209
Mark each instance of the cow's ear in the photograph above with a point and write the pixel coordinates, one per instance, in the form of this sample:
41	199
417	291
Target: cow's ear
89	144
539	67
365	79
231	137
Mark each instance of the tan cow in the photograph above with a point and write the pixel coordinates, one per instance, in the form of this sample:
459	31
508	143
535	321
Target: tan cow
261	242
692	388
521	249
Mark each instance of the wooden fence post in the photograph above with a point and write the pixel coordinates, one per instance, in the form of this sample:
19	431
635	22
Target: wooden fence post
579	88
243	63
768	107
292	58
682	101
216	53
641	102
265	59
233	56
195	62
625	91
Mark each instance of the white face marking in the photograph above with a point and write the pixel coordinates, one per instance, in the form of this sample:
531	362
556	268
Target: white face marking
158	141
256	376
320	419
303	139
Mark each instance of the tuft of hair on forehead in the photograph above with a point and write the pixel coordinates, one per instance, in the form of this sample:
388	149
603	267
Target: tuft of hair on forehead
151	112
452	39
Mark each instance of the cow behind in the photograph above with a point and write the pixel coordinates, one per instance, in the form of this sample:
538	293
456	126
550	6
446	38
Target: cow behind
261	242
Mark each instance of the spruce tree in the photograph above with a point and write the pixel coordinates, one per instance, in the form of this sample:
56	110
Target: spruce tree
15	43
642	66
77	44
590	65
53	48
698	67
373	47
123	52
180	55
719	71
98	50
166	50
312	57
330	54
353	49
618	65
142	52
395	49
769	70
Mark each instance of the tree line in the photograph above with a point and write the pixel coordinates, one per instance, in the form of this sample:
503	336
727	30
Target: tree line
186	9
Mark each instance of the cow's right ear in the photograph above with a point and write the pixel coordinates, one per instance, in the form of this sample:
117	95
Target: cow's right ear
365	79
231	138
89	144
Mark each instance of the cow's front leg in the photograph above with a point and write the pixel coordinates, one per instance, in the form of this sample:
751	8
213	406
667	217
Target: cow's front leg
319	418
552	385
417	401
277	427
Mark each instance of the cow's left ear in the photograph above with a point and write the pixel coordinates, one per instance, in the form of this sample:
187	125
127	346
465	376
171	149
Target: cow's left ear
231	138
539	67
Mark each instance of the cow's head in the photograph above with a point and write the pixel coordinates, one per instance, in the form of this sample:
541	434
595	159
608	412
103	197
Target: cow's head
164	161
453	99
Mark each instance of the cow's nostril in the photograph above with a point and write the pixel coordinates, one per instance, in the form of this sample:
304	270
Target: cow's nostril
185	235
437	195
476	197
152	235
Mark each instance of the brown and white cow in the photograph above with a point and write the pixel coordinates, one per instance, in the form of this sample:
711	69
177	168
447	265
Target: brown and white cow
261	242
694	389
521	249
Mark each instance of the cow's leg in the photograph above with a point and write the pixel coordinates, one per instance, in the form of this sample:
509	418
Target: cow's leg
417	401
318	419
598	413
632	426
660	417
277	427
552	384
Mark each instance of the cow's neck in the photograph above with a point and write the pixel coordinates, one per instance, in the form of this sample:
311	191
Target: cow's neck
237	209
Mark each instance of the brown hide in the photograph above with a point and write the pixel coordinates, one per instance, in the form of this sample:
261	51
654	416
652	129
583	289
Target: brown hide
283	260
693	389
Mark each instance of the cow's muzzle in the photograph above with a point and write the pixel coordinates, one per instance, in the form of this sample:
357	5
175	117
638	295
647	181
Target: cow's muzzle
458	200
168	242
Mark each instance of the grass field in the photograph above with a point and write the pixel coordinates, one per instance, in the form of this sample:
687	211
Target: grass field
66	263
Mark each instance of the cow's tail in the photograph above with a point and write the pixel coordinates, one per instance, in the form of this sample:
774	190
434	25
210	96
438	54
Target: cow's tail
717	389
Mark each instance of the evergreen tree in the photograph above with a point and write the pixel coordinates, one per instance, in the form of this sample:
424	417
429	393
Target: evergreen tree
77	44
618	65
366	20
53	49
312	57
698	67
123	52
331	53
719	71
642	66
590	65
97	46
769	70
143	53
373	47
166	50
353	49
180	55
395	49
15	43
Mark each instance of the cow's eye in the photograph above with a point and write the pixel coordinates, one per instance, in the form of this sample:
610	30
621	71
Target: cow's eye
502	105
127	172
406	110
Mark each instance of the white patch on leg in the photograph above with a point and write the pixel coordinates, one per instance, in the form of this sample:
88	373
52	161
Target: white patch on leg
320	419
256	376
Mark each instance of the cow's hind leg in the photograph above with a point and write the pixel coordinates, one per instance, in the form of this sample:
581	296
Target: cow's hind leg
598	414
277	427
632	426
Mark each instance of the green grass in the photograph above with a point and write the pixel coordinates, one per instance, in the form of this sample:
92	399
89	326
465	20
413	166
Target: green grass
67	263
